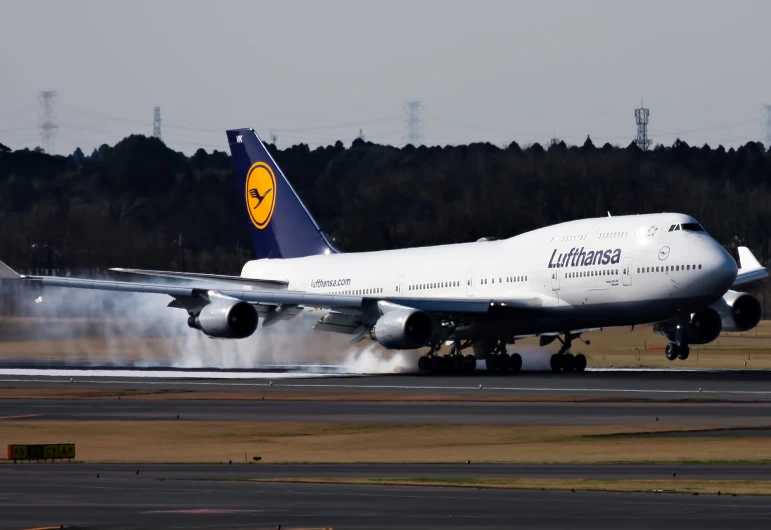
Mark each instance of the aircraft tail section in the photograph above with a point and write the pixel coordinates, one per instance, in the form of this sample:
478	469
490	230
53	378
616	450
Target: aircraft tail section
281	225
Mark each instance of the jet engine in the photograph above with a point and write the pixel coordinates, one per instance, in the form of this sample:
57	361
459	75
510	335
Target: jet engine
225	319
739	311
704	327
403	329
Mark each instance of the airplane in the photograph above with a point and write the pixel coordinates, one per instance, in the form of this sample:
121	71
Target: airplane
555	283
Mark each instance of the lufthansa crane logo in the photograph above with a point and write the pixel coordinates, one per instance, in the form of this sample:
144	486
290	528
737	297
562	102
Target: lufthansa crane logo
663	253
260	194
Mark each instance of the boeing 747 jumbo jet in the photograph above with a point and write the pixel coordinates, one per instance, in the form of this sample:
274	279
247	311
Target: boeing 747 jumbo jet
556	282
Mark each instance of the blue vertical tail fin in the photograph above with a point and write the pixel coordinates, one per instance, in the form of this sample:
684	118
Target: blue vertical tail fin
281	225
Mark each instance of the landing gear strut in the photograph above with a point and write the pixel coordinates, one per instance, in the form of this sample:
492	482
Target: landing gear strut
563	361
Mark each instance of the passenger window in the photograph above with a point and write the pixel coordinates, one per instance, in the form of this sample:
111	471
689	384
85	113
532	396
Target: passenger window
677	267
688	267
699	267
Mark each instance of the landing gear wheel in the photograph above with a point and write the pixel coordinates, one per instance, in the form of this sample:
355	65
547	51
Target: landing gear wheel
556	362
568	362
516	363
580	362
424	365
469	364
503	363
671	351
685	350
490	362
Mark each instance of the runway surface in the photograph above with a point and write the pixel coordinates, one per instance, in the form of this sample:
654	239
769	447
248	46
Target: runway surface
629	385
39	496
737	414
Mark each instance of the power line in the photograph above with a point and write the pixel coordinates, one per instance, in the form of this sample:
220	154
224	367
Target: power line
47	126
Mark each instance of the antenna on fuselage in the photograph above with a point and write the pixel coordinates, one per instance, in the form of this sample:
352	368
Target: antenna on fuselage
608	214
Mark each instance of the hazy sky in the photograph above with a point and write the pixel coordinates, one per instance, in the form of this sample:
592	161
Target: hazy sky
316	71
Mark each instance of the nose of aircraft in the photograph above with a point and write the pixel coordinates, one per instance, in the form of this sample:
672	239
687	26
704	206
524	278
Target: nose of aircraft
722	269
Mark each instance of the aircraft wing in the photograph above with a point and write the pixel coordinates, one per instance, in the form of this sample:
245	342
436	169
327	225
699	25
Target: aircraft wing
246	283
750	269
196	294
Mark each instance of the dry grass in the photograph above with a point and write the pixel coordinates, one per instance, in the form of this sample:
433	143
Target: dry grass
184	441
709	487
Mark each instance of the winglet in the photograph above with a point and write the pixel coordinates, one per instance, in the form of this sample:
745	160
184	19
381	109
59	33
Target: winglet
750	269
7	273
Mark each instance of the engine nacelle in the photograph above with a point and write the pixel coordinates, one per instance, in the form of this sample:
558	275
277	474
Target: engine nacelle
704	327
403	329
225	319
739	311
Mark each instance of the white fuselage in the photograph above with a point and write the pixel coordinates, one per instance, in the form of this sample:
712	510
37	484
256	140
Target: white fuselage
599	272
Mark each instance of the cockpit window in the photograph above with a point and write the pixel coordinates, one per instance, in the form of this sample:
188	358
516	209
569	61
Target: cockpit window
692	227
677	228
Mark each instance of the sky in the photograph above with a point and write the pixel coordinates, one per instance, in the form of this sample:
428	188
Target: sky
315	72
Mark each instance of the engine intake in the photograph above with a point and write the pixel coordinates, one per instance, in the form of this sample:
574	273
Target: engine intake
403	329
739	311
225	319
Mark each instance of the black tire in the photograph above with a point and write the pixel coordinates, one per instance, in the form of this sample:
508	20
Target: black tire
556	363
469	364
490	362
671	351
684	352
568	363
580	362
503	363
516	363
423	364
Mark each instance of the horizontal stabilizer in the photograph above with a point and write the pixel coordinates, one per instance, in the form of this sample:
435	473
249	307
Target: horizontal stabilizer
7	273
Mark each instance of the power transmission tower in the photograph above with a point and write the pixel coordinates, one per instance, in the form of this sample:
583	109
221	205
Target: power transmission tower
768	125
361	135
414	122
47	126
157	122
641	117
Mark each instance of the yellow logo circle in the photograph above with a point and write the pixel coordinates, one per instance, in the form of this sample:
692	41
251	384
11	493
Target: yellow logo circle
260	194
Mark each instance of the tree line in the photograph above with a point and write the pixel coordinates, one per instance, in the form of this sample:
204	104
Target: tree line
141	204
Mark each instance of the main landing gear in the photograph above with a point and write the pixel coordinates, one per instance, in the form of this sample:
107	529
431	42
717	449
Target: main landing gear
564	361
453	364
498	361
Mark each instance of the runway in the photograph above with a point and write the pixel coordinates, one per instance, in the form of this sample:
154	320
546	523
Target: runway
738	414
40	496
653	385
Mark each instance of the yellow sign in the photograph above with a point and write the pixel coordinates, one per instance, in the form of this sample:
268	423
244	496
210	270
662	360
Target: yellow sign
260	194
40	451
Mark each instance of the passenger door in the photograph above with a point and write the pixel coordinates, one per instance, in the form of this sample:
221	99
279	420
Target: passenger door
555	279
627	272
470	282
400	285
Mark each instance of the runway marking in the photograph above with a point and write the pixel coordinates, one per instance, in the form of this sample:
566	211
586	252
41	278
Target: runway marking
391	387
197	511
19	417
